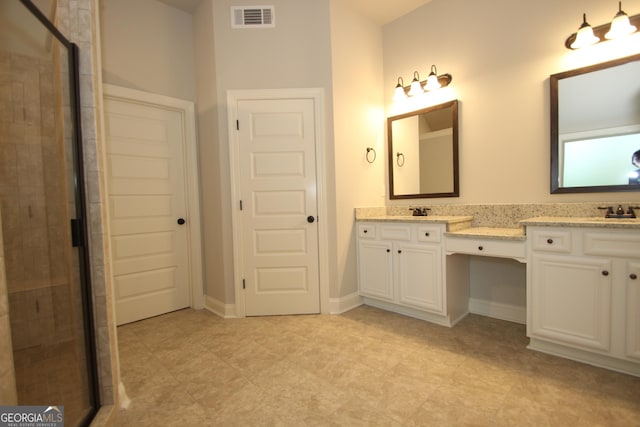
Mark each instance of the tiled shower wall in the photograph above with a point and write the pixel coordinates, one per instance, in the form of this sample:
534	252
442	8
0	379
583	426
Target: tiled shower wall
8	394
34	203
79	21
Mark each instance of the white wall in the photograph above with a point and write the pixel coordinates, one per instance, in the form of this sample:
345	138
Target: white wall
356	45
148	46
214	255
500	53
294	54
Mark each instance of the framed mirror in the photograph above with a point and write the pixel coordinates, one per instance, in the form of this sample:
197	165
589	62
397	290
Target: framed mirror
595	128
423	153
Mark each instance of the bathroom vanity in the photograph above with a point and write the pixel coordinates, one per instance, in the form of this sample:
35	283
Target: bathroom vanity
582	277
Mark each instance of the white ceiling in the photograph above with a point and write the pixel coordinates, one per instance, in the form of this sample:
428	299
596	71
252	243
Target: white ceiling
380	11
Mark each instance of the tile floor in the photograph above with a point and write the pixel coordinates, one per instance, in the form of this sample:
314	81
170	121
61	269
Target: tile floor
366	367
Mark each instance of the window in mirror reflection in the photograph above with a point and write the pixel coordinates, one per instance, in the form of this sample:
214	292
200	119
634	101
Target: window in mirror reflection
600	161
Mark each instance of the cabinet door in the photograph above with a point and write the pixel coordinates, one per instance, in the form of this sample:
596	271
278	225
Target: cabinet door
420	276
633	310
570	301
374	269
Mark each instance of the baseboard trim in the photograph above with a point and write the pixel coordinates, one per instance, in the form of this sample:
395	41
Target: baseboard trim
217	307
344	304
412	312
123	398
511	313
588	357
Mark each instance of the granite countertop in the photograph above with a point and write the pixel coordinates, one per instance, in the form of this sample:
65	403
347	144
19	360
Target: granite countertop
493	233
410	218
560	221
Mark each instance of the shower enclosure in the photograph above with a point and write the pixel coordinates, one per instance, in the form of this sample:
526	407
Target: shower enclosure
43	213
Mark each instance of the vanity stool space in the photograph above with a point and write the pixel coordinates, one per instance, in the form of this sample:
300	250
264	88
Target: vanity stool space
401	268
583	290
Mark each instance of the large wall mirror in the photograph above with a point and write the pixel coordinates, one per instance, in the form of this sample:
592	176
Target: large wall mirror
595	127
423	153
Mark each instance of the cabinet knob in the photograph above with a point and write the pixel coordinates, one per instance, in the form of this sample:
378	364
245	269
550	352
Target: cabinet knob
426	234
399	251
633	276
480	248
365	231
550	241
605	273
388	250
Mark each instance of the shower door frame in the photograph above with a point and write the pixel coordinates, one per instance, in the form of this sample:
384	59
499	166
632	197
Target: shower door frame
78	226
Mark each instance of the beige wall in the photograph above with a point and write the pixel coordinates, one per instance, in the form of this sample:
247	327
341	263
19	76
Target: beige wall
148	46
500	53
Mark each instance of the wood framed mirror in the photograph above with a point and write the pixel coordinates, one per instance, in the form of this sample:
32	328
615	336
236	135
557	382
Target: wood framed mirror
595	127
423	153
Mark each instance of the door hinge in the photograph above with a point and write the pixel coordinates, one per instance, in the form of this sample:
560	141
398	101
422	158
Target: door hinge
244	284
237	124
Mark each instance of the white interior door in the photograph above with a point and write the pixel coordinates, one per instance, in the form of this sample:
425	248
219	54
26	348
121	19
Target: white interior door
149	242
279	206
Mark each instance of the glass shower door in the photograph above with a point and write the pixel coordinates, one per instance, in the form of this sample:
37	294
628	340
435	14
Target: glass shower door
42	211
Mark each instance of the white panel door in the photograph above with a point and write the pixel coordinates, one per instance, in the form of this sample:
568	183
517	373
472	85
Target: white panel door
279	207
146	199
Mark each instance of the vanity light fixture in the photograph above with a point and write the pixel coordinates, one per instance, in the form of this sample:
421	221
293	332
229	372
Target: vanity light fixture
621	25
433	82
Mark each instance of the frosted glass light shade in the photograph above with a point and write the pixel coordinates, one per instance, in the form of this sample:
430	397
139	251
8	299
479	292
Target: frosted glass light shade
399	94
585	36
432	82
620	26
416	86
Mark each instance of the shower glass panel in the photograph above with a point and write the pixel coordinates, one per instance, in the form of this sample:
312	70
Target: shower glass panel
42	213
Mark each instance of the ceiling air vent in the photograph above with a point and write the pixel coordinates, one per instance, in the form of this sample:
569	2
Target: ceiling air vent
253	17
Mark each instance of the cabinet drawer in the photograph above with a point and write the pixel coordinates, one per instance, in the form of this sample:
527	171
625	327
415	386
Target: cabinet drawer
612	244
389	232
429	234
367	231
486	247
551	240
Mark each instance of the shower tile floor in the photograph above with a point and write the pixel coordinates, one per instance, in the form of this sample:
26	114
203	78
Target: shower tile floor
365	367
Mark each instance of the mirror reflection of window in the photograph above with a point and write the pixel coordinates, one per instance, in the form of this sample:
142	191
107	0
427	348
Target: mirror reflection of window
599	160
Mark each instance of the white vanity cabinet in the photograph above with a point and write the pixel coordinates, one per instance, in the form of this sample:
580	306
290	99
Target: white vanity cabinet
583	294
401	269
633	310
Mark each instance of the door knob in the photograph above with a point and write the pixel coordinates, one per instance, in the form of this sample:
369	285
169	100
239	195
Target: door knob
181	221
310	219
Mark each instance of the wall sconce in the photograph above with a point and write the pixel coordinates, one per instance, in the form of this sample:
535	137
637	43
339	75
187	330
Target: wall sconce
620	26
433	82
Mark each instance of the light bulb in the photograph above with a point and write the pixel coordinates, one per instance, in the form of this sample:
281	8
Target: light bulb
585	36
